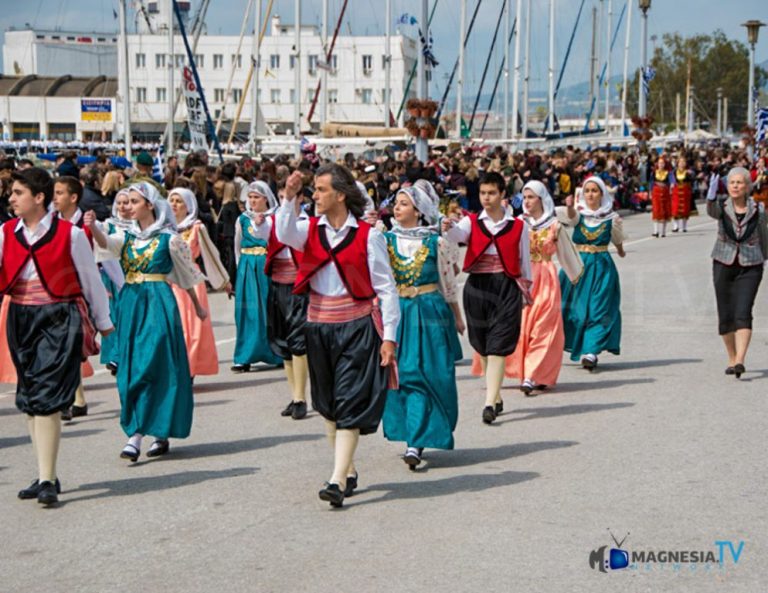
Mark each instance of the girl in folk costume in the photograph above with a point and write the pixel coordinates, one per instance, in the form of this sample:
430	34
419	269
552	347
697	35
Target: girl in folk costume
47	269
499	267
112	274
592	306
350	337
198	333
424	410
661	201
682	191
252	283
153	376
286	312
538	356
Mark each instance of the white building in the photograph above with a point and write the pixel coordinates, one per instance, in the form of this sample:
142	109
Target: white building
356	80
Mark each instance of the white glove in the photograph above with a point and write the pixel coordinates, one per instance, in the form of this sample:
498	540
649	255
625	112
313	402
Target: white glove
714	184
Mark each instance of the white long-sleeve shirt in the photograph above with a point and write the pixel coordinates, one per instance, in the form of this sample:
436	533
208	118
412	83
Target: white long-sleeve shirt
460	232
261	231
85	266
293	232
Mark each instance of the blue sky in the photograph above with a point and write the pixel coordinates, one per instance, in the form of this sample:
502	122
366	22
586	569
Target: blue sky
367	17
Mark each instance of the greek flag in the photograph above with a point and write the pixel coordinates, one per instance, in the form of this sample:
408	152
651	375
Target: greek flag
648	75
426	49
158	167
761	126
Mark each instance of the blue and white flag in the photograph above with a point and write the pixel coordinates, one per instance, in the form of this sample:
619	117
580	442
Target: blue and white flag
761	125
648	75
406	19
158	167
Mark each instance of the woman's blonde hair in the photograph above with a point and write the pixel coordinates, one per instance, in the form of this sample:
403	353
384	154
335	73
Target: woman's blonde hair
111	183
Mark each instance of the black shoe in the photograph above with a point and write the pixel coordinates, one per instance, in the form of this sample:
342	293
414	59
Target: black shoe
685	230
34	489
527	389
112	367
499	407
730	371
655	235
333	494
130	452
241	368
288	409
299	410
674	230
158	448
47	494
589	364
78	411
489	414
738	370
66	415
351	485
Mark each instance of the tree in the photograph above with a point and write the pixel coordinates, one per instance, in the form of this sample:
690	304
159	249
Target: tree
715	62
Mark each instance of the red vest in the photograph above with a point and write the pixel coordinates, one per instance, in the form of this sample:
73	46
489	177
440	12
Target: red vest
350	258
274	247
506	241
52	256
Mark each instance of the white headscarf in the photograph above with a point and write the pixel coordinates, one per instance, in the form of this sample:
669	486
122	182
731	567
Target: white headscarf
548	216
261	188
115	219
369	205
190	201
426	207
165	221
606	201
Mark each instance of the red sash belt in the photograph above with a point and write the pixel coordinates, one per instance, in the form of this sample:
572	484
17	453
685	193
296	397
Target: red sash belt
284	271
488	264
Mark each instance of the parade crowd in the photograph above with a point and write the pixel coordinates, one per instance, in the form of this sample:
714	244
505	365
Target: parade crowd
345	273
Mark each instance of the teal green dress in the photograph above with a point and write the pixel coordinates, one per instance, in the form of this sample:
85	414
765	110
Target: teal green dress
153	370
592	306
424	411
251	290
109	349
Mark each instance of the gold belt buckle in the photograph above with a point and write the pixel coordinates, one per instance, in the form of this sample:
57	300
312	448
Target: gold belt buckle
135	277
409	292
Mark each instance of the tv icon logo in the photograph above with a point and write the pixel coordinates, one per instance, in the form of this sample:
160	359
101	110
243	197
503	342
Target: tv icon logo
605	559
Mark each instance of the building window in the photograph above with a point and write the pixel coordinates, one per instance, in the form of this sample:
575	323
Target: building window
218	95
291	61
274	96
367	64
334	64
367	96
333	96
274	62
312	64
292	96
384	62
237	60
237	94
180	60
258	96
159	60
160	94
141	94
200	61
218	61
141	60
310	95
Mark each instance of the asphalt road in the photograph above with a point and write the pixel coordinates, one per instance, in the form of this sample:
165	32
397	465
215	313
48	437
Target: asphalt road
658	443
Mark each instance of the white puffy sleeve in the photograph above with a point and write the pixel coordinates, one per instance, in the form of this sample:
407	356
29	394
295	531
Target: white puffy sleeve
617	231
185	272
214	268
447	280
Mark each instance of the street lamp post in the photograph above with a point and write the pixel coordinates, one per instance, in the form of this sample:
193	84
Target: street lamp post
753	29
645	5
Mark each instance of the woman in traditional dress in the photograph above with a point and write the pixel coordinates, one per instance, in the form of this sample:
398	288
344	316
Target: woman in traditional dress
424	410
153	376
592	306
112	274
252	283
538	356
661	201
198	333
739	255
682	191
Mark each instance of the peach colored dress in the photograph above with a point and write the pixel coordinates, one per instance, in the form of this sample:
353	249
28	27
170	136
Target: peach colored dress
539	352
198	334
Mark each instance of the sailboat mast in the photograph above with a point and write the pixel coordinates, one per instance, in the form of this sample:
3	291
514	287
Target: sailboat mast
516	82
125	91
171	94
527	76
388	63
608	69
297	80
255	61
460	81
626	71
551	73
